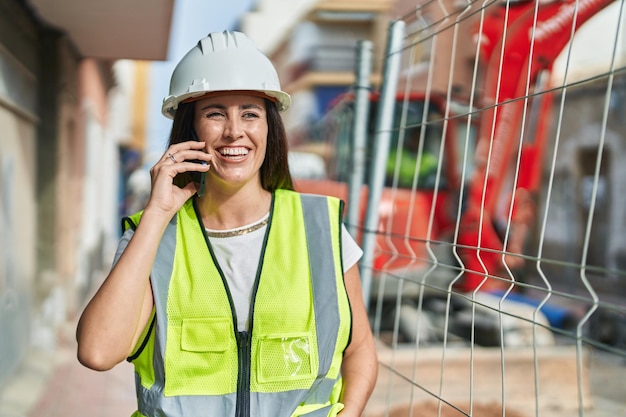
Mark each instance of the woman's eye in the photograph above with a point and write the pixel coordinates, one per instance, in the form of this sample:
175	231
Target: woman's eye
214	114
250	115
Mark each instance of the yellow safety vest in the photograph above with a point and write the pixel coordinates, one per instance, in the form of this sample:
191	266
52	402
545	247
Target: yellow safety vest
191	360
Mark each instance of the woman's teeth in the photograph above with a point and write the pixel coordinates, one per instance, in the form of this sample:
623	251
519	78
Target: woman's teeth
233	151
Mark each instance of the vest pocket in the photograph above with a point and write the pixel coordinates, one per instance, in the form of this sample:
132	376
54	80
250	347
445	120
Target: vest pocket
285	357
199	360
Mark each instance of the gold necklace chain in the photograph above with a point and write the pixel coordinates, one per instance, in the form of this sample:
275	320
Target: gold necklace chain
238	232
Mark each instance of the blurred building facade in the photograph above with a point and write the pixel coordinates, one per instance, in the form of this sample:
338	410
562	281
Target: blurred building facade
314	47
66	114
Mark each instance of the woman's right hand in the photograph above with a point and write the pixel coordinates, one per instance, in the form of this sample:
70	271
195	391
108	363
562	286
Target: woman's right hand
165	196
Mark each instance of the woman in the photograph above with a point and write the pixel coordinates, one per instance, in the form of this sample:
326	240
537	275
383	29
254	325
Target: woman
233	295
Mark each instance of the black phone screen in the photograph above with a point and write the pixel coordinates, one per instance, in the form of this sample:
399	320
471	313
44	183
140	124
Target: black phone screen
198	177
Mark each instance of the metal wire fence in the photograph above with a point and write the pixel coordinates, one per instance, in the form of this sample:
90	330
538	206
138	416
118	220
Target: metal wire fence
493	212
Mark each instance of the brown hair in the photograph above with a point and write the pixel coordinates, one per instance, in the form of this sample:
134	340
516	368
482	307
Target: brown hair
275	168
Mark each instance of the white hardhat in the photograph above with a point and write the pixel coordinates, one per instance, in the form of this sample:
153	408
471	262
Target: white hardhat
223	61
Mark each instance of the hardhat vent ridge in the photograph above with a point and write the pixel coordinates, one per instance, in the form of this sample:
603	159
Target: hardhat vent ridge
223	61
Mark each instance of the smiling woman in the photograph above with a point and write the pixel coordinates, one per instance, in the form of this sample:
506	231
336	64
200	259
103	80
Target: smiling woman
210	293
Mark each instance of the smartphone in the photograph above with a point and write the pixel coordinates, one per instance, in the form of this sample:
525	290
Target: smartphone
198	177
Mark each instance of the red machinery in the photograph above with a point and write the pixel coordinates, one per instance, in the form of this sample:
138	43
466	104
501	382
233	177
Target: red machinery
520	56
519	44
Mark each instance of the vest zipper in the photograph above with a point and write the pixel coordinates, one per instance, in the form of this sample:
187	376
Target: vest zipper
243	377
244	358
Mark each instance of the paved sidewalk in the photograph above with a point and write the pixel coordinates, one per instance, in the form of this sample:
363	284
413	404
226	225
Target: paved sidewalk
55	384
75	391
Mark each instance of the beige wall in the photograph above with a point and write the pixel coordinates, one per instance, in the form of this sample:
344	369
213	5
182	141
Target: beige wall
58	178
18	161
17	208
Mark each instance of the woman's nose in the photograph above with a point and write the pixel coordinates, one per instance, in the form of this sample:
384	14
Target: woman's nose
233	128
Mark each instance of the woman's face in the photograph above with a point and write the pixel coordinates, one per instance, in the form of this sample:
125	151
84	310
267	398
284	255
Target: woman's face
234	127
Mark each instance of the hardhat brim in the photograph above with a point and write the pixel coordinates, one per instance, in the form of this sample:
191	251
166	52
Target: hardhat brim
170	104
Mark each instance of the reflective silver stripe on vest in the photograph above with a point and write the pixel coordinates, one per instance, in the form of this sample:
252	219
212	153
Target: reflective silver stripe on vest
149	402
326	309
322	266
322	412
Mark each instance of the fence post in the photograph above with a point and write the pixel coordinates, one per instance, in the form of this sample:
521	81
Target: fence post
384	124
359	140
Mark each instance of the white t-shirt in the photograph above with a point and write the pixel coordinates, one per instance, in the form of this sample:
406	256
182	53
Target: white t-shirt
238	257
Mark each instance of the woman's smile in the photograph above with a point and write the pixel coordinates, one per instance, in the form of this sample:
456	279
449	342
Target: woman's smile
233	153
